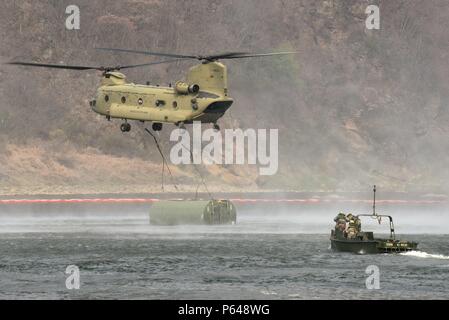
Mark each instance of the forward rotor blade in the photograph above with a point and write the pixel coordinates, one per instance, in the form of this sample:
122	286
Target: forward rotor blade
55	66
259	55
71	67
149	53
224	55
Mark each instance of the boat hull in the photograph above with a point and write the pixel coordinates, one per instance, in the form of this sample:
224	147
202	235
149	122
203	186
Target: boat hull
372	246
355	246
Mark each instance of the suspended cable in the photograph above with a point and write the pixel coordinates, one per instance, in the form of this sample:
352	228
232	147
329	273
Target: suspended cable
164	161
199	173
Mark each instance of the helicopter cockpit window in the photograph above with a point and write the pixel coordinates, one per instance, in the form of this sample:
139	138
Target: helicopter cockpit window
123	99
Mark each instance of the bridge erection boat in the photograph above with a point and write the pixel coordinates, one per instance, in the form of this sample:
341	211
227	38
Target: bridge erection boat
352	239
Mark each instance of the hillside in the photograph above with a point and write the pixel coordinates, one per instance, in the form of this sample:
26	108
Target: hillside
356	107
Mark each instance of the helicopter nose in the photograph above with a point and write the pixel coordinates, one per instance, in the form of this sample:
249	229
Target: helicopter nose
219	107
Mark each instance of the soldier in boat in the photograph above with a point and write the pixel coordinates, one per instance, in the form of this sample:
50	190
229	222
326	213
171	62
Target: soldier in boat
354	226
340	224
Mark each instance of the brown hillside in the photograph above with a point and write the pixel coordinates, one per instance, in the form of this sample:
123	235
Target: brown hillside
354	108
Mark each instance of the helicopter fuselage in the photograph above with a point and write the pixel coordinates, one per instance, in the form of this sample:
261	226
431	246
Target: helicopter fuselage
203	97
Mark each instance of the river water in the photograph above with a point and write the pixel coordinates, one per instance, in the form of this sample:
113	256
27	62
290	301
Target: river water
267	255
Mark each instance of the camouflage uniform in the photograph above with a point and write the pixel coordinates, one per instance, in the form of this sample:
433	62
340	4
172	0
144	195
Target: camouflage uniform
358	224
354	226
340	221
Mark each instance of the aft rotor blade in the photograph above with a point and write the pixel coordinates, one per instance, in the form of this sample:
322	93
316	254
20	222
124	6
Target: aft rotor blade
146	64
55	66
149	53
229	55
175	55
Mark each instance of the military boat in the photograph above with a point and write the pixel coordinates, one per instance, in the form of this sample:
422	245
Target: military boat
365	242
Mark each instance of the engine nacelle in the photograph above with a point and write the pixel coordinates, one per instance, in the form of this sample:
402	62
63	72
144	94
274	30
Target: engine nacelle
184	88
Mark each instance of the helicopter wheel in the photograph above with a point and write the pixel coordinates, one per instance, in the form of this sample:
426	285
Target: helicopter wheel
181	125
216	127
157	126
125	127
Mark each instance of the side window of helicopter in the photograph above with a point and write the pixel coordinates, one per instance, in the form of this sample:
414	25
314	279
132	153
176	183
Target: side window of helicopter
160	103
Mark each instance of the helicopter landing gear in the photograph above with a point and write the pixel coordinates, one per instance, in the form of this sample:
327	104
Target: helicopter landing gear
216	127
157	126
181	125
125	127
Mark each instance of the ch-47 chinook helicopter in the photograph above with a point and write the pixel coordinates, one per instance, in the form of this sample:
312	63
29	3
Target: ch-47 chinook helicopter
203	96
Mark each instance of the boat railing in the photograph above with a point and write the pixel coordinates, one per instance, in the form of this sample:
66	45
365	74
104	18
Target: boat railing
379	219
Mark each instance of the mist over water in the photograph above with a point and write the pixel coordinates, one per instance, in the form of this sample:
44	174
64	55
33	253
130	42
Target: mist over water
288	219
